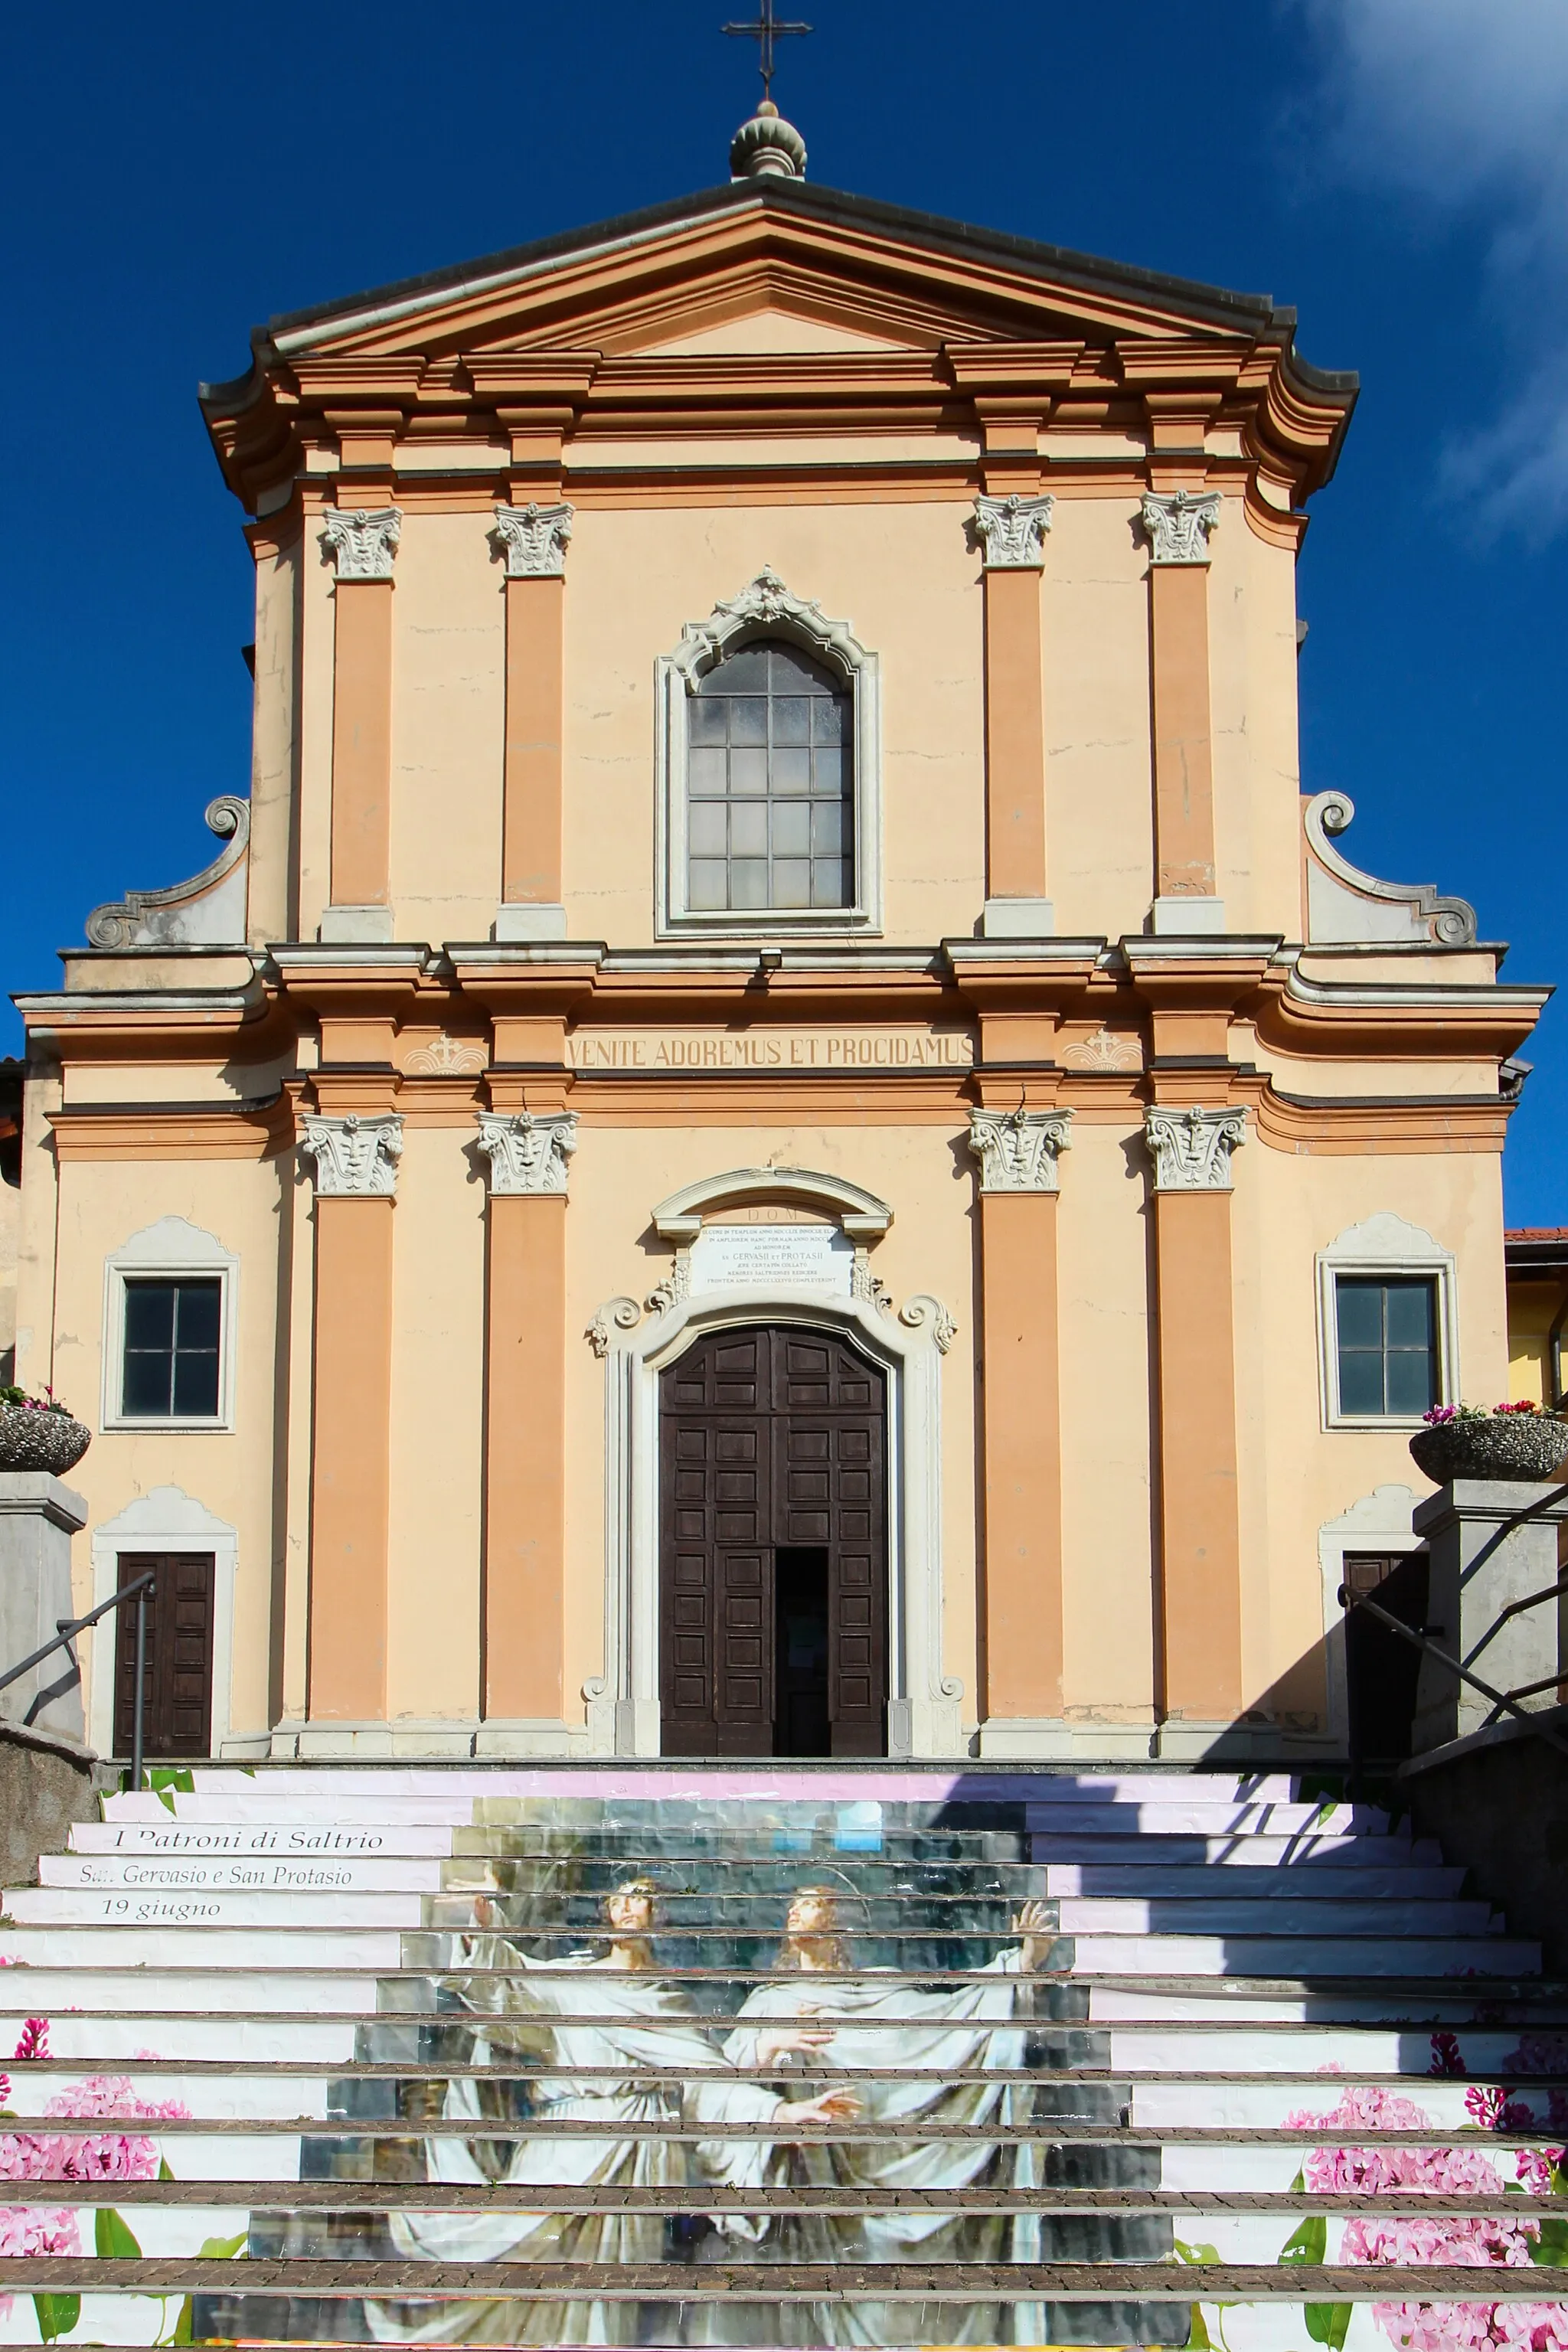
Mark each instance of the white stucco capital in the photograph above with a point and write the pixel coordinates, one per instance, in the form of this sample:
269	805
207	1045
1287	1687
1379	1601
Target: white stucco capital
1013	529
531	541
1191	1149
363	541
528	1153
1180	526
354	1155
1017	1149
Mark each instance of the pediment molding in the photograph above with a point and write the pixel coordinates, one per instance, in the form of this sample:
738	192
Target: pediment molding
862	1216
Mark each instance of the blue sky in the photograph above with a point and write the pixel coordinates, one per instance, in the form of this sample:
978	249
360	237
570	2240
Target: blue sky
1398	169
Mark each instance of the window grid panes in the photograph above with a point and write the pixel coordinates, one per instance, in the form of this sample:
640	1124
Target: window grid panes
1387	1338
770	786
170	1356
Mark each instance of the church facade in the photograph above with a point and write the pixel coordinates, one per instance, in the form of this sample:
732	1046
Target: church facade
777	1129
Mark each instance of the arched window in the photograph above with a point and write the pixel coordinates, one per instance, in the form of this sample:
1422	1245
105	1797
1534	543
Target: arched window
770	783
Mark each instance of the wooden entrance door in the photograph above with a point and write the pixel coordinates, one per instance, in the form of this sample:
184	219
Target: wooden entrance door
1381	1671
773	1551
177	1676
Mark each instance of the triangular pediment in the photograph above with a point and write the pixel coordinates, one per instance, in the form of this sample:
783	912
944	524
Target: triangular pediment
788	267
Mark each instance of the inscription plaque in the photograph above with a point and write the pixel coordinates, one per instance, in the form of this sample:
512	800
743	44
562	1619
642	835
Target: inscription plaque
792	1257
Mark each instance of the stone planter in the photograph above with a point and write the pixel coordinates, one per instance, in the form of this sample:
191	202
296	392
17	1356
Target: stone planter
30	1440
1529	1446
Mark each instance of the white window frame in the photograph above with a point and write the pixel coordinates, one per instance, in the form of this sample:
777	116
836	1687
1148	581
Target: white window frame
171	1250
1384	1246
764	610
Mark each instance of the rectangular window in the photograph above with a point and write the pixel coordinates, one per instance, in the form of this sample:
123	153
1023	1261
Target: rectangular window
1386	1327
170	1359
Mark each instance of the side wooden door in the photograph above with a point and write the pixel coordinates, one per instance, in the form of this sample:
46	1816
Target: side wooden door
178	1664
716	1628
830	1453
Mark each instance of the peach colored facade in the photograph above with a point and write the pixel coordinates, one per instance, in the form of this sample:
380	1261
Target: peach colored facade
482	1126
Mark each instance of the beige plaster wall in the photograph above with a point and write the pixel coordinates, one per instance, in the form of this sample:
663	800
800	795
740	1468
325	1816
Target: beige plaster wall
447	713
1094	608
904	578
1294	1474
101	1206
1252	685
275	746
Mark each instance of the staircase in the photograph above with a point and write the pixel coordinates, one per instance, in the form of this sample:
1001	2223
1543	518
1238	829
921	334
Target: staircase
322	2064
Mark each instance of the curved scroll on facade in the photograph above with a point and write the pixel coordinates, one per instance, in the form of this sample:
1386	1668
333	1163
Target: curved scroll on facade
208	909
1346	905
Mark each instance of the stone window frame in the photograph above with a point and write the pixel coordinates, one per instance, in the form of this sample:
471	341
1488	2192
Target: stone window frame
766	609
1384	1246
171	1250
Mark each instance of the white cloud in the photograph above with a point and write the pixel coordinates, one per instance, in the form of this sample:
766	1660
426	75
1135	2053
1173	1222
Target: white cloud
1465	103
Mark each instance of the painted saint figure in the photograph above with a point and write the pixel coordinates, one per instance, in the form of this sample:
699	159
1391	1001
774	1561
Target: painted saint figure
604	2015
965	2035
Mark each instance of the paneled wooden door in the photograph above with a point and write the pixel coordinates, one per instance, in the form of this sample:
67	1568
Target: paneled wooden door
773	1546
177	1672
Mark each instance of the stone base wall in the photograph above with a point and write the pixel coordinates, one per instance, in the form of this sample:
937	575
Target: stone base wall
44	1785
1499	1801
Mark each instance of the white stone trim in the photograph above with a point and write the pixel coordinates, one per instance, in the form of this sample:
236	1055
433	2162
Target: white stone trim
764	608
165	1519
1191	1149
1180	526
1376	1522
1345	905
525	1153
863	1216
171	1248
1019	1149
354	1157
362	540
1011	532
1384	1243
532	540
924	1705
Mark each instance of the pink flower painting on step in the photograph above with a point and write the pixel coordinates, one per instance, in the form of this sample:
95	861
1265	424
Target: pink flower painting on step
1478	2242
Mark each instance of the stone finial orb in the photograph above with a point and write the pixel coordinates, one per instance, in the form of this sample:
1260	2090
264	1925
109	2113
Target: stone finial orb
767	147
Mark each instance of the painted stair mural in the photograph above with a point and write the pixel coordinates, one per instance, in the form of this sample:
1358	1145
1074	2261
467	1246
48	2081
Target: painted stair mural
772	2057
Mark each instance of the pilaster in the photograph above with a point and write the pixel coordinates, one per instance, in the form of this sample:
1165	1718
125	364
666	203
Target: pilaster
1022	1629
531	541
362	543
1011	530
1200	1551
525	1430
1178	525
356	1180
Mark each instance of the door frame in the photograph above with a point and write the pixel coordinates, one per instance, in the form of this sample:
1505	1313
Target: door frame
924	1705
167	1519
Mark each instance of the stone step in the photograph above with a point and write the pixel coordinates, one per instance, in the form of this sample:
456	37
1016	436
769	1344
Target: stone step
283	1838
764	1782
1256	1849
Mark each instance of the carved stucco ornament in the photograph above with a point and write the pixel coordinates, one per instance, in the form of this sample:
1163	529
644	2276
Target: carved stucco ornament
1191	1149
528	1153
532	540
1017	1149
362	540
1104	1051
208	908
766	603
354	1156
1180	525
1348	906
1012	531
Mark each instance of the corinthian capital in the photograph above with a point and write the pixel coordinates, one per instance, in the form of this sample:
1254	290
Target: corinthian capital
528	1154
532	541
1191	1149
1013	529
1019	1149
354	1155
363	541
1180	526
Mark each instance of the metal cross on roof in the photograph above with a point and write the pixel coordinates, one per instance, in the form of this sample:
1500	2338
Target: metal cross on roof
766	32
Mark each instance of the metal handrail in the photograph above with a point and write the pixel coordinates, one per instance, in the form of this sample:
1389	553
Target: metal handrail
1500	1699
67	1630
